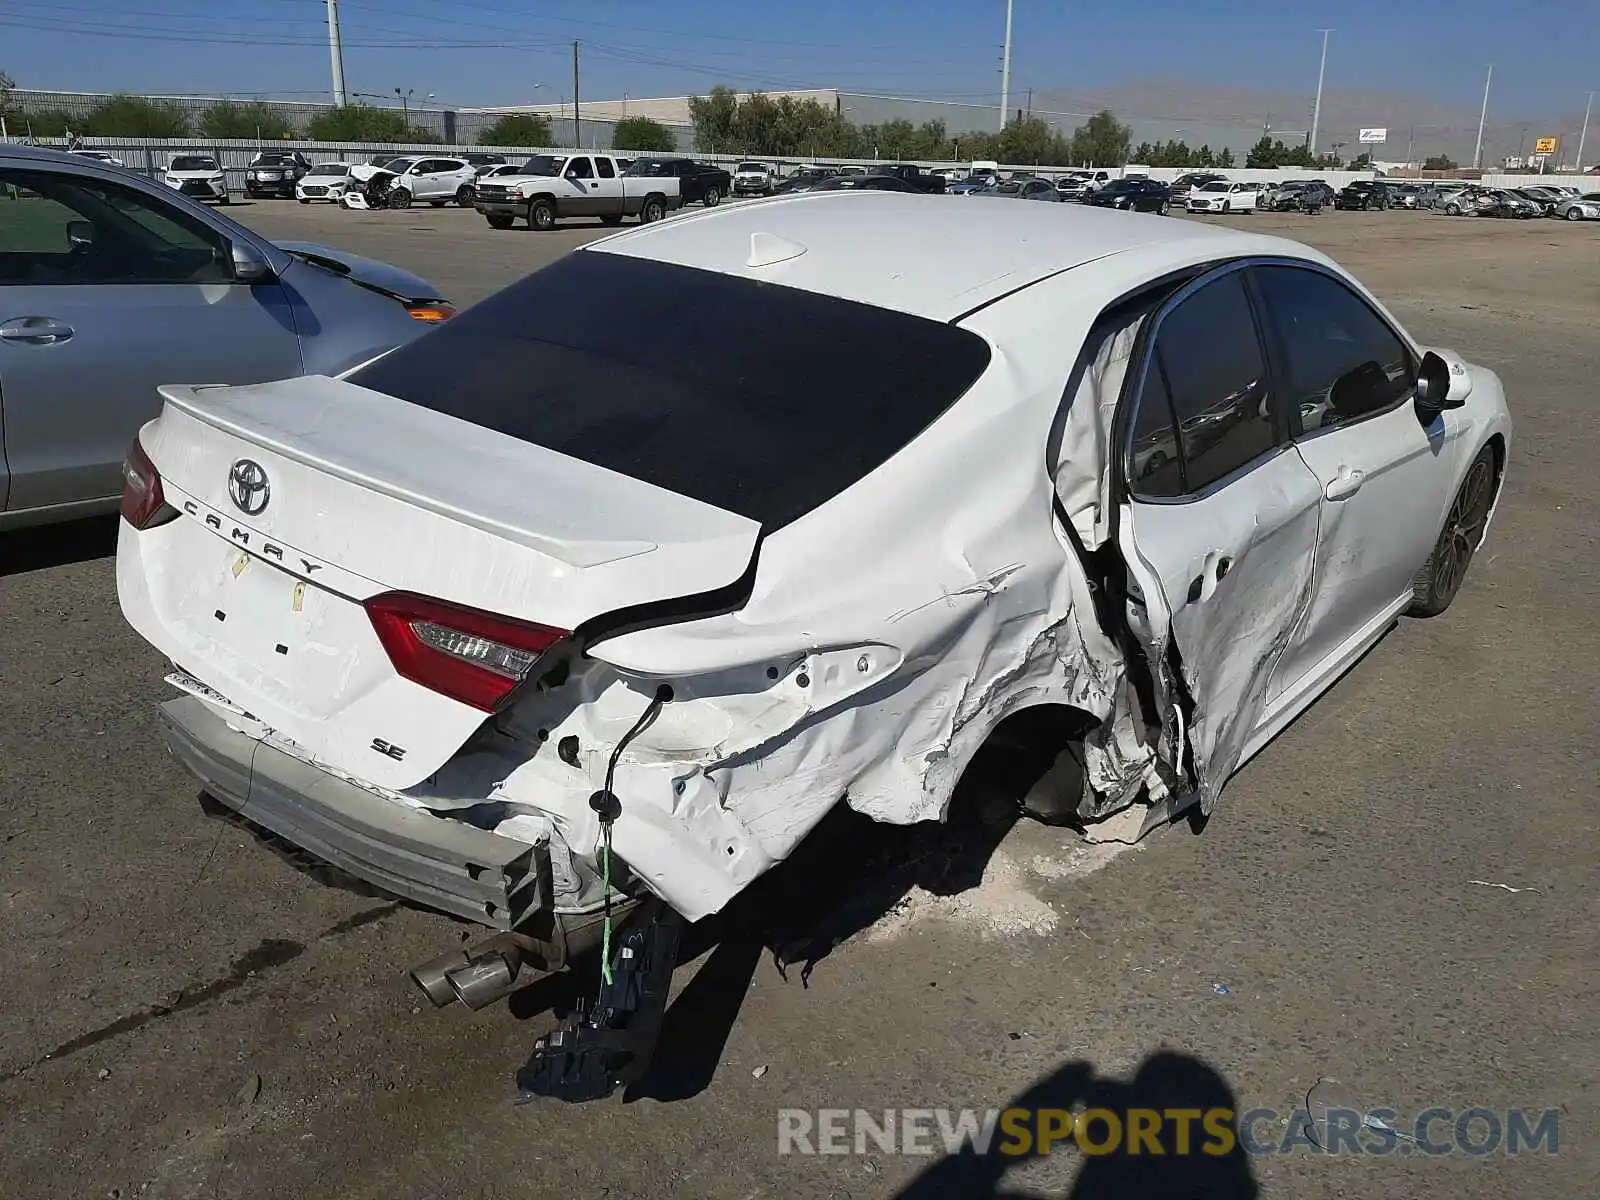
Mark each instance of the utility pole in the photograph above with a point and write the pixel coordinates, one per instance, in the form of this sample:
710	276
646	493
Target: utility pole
1030	102
1411	140
1582	137
1005	71
577	124
1316	108
1477	153
336	53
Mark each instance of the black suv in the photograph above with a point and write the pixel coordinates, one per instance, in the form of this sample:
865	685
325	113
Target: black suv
1363	194
698	183
274	173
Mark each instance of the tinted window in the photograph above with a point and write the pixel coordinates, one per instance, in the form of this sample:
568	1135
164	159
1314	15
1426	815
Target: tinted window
580	168
608	170
1210	358
760	399
67	229
1341	360
1153	467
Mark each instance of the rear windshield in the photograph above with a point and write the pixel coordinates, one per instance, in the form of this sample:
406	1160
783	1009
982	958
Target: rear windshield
759	399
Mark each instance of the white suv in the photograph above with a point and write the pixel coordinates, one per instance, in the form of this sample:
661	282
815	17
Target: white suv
436	180
752	179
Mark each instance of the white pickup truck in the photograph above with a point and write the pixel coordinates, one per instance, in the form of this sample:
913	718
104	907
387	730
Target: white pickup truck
551	187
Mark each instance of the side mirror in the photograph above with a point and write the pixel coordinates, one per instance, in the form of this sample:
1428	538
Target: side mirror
80	235
1441	384
248	266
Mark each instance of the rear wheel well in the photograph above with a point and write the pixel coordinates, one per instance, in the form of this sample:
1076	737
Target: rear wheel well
1030	761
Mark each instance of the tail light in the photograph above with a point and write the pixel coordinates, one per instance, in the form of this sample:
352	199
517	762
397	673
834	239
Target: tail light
143	505
468	655
430	314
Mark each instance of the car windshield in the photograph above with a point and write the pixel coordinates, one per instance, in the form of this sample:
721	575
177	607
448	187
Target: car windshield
1120	185
1215	186
768	403
399	165
272	160
543	164
649	168
330	169
193	162
750	166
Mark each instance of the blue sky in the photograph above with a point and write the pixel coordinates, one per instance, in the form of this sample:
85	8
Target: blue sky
465	52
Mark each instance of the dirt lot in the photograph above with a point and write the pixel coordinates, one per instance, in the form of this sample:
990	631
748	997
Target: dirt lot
185	1015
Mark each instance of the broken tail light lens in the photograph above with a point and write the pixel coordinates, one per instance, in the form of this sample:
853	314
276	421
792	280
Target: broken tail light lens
471	656
143	505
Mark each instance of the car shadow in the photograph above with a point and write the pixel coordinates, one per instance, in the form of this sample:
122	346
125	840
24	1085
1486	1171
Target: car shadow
58	545
1164	1082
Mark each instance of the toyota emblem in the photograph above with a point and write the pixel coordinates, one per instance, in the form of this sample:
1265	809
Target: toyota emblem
247	484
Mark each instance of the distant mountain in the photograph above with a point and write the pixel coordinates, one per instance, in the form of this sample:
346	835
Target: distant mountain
1431	127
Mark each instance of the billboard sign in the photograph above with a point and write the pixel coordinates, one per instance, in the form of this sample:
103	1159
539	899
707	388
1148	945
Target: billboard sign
1545	145
1374	135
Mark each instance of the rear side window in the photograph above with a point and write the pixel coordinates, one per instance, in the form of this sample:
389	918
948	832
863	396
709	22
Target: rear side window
1341	360
1209	370
760	399
607	169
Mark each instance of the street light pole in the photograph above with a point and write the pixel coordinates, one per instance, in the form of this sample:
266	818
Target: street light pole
1316	108
336	53
1583	137
1477	153
1005	71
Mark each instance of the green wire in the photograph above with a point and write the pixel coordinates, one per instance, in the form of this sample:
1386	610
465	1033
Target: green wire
605	936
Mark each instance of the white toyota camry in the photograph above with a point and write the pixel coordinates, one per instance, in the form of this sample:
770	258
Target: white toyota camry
611	587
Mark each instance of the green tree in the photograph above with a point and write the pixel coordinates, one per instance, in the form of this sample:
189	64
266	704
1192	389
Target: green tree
1439	162
1033	141
713	118
641	133
1225	159
1268	152
42	124
255	119
1102	140
360	123
518	129
134	116
1361	161
6	84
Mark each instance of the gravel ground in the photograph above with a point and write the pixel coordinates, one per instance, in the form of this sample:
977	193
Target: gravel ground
185	1015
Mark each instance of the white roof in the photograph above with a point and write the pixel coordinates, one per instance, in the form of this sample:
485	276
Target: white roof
934	256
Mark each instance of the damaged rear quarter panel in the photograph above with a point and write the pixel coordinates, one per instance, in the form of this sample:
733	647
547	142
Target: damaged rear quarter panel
874	656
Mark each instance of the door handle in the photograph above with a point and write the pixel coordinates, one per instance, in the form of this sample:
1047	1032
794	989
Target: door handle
1214	572
35	331
1345	484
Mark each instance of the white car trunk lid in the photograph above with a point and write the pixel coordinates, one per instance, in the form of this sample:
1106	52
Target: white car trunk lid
367	495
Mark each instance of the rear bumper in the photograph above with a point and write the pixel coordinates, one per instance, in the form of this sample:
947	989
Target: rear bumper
473	874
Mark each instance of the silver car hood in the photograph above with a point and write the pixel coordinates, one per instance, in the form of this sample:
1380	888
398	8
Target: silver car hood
369	271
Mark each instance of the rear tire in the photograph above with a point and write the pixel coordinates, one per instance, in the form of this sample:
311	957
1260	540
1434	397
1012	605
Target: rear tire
1452	210
499	220
712	198
652	210
541	215
1435	585
1573	214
